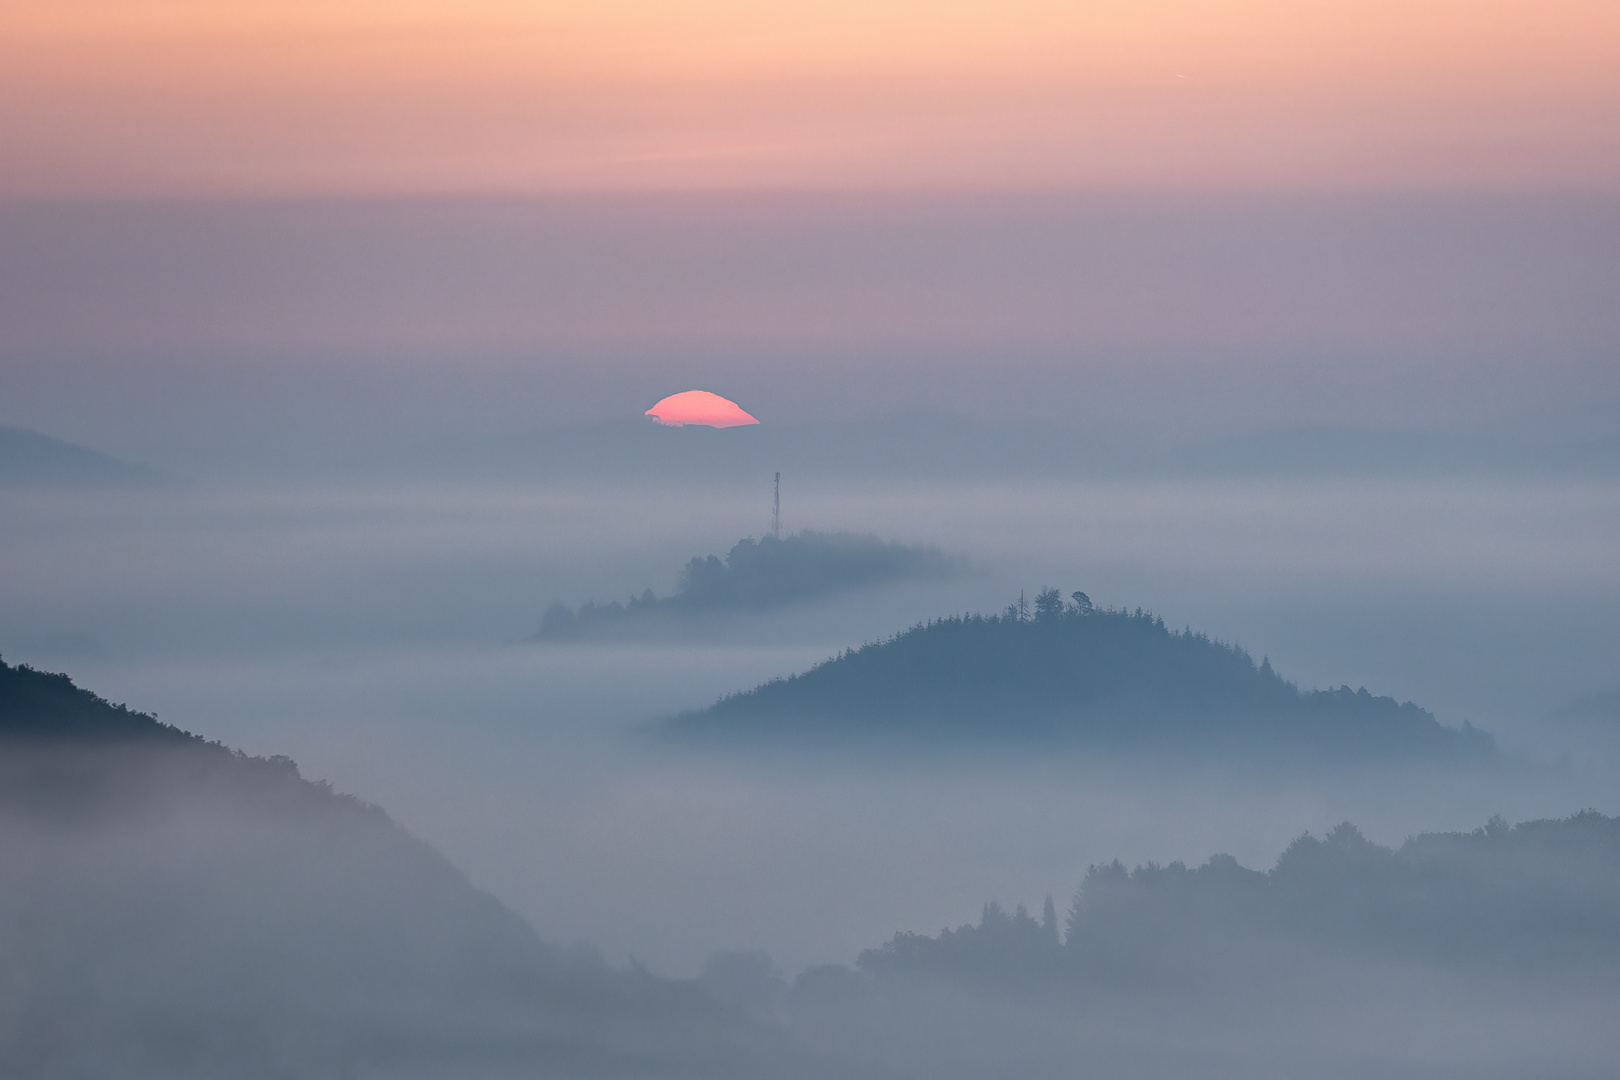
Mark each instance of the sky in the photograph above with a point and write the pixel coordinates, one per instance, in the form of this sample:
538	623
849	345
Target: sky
1169	219
220	98
179	333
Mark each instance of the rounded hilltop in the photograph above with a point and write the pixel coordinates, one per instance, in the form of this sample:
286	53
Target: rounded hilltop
1067	673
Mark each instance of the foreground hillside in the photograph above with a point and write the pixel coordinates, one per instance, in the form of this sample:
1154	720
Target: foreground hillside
171	908
1073	674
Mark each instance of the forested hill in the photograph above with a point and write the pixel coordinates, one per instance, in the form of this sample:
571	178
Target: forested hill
38	705
170	907
1494	953
1538	899
1071	673
755	576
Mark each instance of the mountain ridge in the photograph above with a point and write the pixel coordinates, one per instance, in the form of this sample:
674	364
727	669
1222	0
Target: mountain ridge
1071	673
171	907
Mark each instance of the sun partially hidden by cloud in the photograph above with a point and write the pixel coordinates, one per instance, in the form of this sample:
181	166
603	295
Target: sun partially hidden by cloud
699	407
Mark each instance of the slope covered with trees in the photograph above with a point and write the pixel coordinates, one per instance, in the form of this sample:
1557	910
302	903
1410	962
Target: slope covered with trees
755	576
1536	900
1071	673
45	706
1494	953
173	908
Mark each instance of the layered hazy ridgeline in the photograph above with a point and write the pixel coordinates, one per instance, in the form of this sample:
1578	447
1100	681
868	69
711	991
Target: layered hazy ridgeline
878	540
1493	950
176	908
172	907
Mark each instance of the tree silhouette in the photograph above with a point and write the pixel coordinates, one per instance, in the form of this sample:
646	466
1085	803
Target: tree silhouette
1538	899
1048	604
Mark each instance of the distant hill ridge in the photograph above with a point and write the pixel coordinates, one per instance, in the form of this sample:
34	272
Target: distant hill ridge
1534	899
1073	673
31	460
1493	953
755	576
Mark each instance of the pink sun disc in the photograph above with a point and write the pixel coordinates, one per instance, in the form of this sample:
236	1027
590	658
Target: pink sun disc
699	407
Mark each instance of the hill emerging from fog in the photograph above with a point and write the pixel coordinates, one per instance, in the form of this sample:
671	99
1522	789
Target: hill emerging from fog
31	460
1072	674
172	908
755	576
1540	899
1492	953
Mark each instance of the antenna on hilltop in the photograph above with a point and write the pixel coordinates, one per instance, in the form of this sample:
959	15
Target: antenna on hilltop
776	510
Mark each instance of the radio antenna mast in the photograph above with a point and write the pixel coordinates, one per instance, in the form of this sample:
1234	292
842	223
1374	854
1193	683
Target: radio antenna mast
776	510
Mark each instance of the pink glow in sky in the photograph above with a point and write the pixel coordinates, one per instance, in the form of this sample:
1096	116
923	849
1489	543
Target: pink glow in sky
699	407
169	98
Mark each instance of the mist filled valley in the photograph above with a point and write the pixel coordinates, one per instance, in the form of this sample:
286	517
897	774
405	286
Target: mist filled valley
1184	644
382	637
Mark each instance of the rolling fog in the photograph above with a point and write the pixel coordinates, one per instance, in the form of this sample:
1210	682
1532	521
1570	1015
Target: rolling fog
1369	437
375	633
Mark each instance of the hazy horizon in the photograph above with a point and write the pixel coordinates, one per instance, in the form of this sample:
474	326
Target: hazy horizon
247	330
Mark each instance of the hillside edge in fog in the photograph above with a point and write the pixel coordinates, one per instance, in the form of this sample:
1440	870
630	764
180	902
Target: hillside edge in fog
1066	673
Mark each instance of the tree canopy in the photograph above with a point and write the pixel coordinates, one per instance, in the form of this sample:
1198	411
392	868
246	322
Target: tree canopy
1073	673
755	576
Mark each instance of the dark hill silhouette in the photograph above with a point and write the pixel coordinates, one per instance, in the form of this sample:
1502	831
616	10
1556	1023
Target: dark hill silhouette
755	576
173	908
1073	674
40	705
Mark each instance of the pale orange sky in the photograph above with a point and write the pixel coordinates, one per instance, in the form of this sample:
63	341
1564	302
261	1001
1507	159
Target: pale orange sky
224	97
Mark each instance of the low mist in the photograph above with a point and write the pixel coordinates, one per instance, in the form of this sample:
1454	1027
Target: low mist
376	635
306	480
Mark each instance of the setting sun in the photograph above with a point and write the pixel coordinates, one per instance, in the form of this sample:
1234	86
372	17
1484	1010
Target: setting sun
701	408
